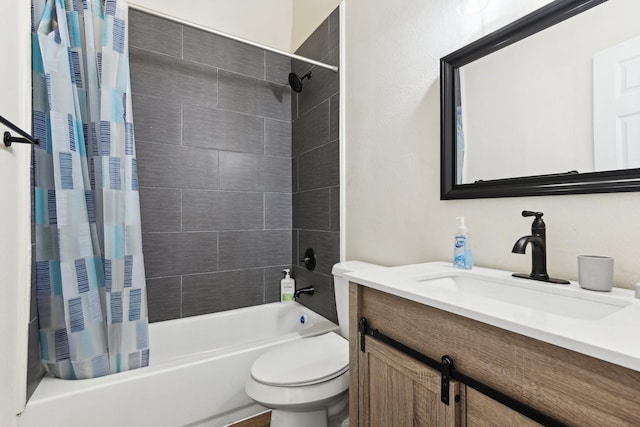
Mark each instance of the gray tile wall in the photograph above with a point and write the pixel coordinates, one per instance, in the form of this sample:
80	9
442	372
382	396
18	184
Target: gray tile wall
315	167
35	369
213	138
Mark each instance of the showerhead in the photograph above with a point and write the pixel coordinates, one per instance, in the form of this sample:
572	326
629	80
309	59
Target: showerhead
296	82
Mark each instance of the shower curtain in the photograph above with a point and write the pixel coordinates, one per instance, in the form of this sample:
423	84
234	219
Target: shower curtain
90	279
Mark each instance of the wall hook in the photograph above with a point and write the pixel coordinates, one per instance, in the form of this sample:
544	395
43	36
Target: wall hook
8	139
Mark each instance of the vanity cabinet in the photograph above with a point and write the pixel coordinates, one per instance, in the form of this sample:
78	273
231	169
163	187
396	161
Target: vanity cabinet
389	388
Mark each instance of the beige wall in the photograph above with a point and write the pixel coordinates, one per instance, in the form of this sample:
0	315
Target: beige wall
265	22
15	227
283	24
394	214
307	16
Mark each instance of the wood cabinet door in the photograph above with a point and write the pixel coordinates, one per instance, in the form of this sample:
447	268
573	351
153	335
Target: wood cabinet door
482	411
398	391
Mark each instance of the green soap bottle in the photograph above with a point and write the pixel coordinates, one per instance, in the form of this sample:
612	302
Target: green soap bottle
287	287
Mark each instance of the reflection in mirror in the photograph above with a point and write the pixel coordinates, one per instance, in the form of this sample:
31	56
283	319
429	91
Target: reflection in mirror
557	112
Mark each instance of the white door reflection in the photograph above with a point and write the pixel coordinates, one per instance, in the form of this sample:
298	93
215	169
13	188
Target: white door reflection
616	106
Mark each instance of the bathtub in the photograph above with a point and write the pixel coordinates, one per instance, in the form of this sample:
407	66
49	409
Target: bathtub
196	375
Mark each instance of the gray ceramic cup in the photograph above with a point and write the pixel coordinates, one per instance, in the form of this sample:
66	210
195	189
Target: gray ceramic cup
595	272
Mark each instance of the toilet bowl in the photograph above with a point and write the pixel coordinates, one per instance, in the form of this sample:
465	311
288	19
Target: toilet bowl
306	382
308	379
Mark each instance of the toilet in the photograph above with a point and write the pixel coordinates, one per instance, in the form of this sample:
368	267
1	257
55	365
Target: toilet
306	382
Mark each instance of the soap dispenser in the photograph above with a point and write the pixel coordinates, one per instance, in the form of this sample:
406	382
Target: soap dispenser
462	255
287	287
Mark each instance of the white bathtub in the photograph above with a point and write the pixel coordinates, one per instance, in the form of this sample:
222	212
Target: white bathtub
196	376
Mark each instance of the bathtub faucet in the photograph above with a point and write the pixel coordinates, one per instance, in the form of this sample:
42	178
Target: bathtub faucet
308	290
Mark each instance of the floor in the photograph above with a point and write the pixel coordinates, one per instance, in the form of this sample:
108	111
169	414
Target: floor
262	420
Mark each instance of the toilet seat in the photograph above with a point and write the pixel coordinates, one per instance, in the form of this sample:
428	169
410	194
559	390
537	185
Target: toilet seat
301	398
316	373
303	362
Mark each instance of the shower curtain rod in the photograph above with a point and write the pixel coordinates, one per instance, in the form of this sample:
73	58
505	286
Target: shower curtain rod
8	139
232	37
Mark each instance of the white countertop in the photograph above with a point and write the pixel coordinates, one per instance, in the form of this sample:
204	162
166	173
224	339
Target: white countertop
613	337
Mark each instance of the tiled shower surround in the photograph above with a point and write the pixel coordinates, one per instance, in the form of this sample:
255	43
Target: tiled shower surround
230	189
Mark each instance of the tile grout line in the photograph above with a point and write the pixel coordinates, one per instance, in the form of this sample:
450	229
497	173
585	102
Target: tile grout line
181	297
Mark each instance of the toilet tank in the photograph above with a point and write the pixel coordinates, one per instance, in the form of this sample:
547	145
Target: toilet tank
341	289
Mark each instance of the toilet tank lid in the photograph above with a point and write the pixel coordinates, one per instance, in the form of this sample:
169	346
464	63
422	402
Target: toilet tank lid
343	267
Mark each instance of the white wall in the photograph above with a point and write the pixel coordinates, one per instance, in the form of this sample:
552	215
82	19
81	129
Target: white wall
266	22
307	16
393	211
15	226
283	24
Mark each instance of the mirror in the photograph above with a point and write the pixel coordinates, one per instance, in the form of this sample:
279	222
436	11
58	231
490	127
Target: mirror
549	104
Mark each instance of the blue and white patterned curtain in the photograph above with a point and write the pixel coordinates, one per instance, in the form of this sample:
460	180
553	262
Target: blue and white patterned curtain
90	276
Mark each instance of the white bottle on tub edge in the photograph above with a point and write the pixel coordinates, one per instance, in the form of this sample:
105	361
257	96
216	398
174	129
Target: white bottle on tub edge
287	287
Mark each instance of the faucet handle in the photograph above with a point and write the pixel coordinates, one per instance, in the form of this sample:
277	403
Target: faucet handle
538	215
538	226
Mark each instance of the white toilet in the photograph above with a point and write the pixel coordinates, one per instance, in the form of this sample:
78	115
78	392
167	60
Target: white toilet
306	382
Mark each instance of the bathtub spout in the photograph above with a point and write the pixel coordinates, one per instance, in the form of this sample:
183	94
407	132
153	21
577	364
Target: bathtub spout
308	290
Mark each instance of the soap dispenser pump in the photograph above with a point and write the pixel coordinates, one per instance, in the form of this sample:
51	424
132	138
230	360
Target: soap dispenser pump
462	255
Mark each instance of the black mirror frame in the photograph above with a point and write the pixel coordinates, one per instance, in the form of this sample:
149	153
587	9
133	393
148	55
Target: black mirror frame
556	184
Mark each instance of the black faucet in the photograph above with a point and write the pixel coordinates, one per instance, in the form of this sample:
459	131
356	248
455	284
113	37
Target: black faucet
538	250
308	290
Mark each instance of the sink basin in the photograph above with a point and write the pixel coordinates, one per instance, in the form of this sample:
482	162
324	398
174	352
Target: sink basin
537	296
